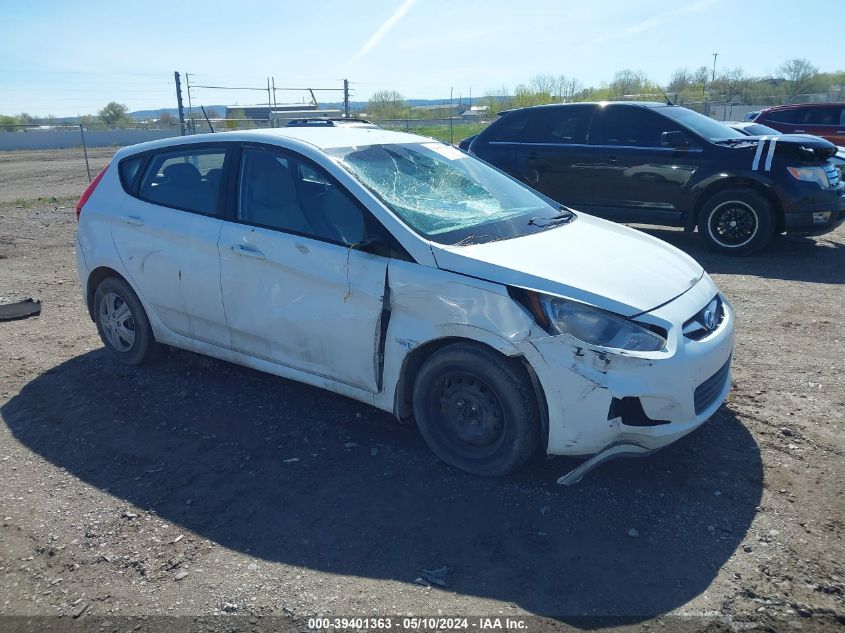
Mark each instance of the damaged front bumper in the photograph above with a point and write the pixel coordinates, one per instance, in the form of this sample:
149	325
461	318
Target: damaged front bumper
610	402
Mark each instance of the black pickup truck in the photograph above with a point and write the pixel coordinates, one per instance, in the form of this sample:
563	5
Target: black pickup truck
663	164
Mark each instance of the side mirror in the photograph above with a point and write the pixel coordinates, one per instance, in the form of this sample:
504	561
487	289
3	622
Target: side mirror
675	139
375	244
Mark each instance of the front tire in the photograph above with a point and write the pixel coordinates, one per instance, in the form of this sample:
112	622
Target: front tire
122	322
737	222
476	409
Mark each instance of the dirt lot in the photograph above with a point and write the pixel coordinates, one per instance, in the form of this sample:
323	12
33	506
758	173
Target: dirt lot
193	487
25	175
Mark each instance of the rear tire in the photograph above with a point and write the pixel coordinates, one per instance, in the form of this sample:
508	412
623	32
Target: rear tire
122	322
476	409
737	222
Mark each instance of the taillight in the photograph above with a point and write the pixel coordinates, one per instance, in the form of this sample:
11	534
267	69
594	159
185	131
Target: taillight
89	190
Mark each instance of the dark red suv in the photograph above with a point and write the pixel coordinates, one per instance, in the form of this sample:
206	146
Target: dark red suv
820	119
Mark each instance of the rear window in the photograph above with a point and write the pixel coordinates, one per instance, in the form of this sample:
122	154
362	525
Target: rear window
186	179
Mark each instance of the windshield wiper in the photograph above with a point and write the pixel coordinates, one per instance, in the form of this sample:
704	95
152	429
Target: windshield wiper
562	217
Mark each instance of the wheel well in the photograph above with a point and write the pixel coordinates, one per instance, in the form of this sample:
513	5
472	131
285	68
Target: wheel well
737	183
94	279
414	360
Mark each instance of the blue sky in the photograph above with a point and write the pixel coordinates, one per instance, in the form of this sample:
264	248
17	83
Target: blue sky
69	57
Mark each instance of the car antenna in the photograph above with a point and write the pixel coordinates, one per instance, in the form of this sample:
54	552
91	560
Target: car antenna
206	119
665	96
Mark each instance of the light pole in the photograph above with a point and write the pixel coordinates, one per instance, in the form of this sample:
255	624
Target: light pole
715	55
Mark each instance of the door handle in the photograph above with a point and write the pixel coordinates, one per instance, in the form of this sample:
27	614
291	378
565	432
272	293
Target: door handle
799	131
133	220
240	249
612	159
531	155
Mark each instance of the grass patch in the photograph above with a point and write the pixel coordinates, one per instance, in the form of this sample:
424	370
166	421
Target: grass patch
29	203
441	132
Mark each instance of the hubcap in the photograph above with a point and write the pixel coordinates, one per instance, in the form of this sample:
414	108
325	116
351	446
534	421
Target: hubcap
471	415
117	322
733	224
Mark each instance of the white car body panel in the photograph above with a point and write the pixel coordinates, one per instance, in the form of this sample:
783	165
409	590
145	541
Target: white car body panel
171	257
304	303
333	302
590	260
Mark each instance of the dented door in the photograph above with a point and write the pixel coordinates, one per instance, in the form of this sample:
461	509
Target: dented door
302	302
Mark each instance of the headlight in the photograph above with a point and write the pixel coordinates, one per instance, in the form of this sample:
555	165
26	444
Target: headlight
597	327
810	174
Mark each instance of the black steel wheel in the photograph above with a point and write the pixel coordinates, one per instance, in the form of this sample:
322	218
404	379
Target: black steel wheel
476	409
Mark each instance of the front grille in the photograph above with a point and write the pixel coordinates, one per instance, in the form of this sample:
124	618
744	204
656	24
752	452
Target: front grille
707	392
696	327
833	174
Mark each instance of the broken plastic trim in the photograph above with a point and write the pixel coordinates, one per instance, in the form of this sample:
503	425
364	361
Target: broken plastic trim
20	310
630	411
611	452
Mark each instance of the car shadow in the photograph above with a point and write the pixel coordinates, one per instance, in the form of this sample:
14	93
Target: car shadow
794	258
297	475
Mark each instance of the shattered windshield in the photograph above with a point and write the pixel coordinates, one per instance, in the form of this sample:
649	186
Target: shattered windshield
446	195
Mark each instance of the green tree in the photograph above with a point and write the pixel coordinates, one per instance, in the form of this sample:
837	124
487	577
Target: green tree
799	75
387	104
114	113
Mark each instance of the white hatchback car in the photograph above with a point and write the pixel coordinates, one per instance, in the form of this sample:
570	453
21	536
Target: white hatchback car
406	274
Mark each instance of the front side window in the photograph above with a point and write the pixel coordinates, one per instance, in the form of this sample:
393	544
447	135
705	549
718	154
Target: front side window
445	195
822	116
185	179
280	191
630	127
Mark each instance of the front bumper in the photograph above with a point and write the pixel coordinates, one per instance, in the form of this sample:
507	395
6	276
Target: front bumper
584	386
809	210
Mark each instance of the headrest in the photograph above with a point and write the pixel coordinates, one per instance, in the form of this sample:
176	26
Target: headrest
183	175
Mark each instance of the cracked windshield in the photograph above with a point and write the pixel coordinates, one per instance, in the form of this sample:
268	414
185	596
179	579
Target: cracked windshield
444	194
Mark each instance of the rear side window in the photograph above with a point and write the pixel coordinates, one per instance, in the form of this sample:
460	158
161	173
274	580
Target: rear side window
188	179
786	116
630	127
129	171
565	125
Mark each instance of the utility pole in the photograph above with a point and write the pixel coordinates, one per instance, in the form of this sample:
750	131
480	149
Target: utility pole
191	126
451	132
179	103
715	55
346	98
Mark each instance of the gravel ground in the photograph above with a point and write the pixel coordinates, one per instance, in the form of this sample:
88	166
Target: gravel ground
194	487
26	175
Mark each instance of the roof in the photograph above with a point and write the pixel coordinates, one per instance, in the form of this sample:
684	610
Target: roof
316	136
643	104
790	106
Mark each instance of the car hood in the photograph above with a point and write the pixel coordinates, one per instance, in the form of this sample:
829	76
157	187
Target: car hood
591	260
806	147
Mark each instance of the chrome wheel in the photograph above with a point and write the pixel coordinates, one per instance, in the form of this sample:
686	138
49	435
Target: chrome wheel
733	224
116	322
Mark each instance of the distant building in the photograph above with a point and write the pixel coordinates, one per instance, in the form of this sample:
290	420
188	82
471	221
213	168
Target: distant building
439	110
264	112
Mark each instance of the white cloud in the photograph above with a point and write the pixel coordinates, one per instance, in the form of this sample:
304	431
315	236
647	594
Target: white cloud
383	30
654	21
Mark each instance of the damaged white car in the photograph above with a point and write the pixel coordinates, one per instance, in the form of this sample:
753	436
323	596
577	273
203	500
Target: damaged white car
403	273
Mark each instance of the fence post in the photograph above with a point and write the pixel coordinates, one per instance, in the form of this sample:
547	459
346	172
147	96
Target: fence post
85	151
